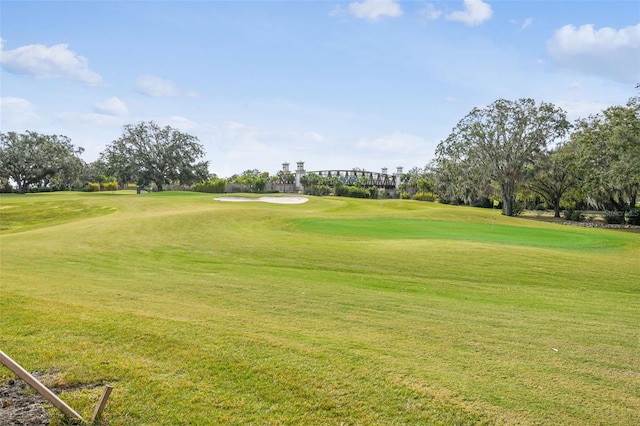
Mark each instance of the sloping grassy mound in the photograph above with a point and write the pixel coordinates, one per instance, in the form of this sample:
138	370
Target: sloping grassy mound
21	213
333	311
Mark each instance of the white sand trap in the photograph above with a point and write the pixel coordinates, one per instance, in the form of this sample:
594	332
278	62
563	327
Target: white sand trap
274	200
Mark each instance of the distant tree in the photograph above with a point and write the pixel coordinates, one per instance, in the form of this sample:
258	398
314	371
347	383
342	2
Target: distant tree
502	141
553	175
418	180
315	184
607	149
147	153
33	159
462	181
260	184
361	182
94	172
283	177
252	180
424	184
69	172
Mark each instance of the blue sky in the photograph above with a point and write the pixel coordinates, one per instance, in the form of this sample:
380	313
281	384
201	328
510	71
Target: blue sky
336	84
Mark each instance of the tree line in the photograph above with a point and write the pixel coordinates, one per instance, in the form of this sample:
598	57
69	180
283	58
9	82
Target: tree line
510	151
146	154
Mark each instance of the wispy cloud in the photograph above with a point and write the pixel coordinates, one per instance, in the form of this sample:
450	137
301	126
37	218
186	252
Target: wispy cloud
375	9
526	24
111	106
157	87
475	12
429	12
40	61
16	113
606	52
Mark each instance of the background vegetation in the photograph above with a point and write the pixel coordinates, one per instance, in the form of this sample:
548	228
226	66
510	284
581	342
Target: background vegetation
512	154
334	311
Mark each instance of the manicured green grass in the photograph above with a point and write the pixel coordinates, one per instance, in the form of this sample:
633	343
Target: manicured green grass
462	231
333	311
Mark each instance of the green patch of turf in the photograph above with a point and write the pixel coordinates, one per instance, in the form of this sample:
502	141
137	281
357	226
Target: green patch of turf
385	228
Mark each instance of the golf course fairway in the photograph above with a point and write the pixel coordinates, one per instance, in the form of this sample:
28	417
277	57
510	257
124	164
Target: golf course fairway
328	312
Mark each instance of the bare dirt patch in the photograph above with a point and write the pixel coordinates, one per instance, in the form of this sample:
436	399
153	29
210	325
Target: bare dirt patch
20	405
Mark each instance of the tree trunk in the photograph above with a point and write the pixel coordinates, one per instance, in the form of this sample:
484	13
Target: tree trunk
508	197
23	187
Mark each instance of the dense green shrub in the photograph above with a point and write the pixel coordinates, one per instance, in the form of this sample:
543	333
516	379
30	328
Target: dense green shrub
405	196
574	215
484	202
93	187
110	186
356	192
518	208
353	192
424	196
613	217
213	186
320	190
633	217
373	192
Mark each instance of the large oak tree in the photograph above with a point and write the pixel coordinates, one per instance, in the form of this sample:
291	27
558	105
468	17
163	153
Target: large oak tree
607	149
502	141
147	153
31	158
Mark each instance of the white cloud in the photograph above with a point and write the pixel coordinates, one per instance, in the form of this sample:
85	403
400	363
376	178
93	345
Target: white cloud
526	24
111	106
15	113
605	52
374	9
157	87
475	12
45	62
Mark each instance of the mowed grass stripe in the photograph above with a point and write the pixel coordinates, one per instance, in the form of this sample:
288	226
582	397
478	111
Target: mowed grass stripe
224	310
575	240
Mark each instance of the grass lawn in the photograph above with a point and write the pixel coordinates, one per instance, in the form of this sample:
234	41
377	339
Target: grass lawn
336	311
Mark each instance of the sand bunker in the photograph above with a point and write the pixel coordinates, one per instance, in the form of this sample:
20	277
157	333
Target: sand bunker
274	200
